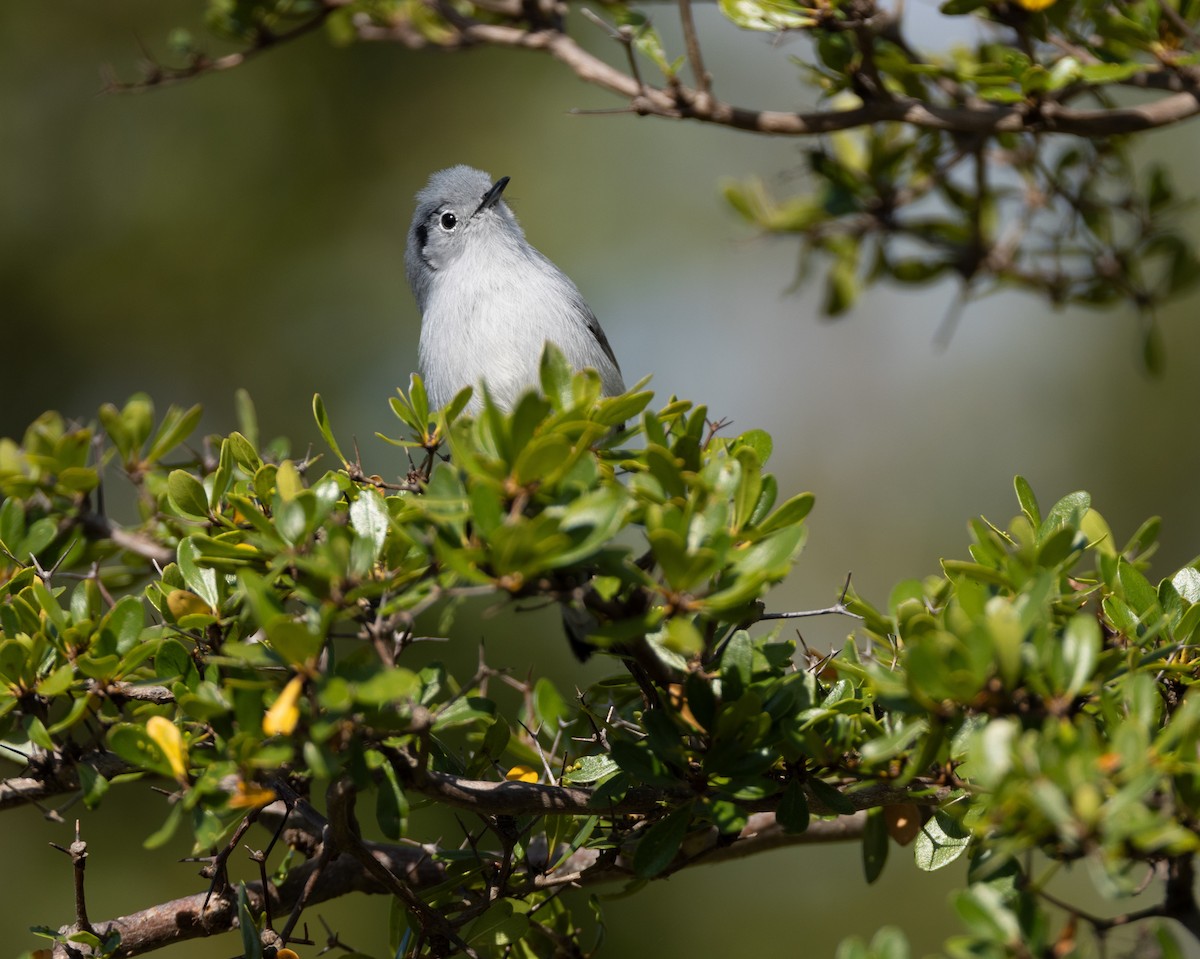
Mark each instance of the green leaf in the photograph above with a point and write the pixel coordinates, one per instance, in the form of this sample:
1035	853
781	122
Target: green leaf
247	416
941	841
58	682
251	941
505	922
764	15
288	483
832	799
222	477
789	513
983	910
1028	501
792	812
1080	651
176	426
322	418
244	453
542	459
1137	589
555	376
683	637
874	845
292	640
661	842
187	494
737	661
590	769
391	805
958	8
841	285
549	708
91	784
1187	584
1068	512
161	836
645	38
201	580
1105	73
132	743
419	400
370	520
465	711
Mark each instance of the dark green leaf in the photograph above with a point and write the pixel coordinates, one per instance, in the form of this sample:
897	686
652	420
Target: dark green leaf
874	845
661	842
792	812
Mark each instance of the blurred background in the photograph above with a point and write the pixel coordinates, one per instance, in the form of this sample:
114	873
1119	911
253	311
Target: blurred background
247	230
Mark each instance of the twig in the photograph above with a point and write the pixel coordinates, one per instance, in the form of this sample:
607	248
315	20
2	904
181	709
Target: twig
692	42
839	608
54	776
339	800
159	75
99	526
624	36
78	853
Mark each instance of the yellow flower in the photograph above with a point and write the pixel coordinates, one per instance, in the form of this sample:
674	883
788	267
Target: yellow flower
522	774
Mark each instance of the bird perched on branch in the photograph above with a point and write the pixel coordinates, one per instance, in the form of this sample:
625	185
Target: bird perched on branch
489	301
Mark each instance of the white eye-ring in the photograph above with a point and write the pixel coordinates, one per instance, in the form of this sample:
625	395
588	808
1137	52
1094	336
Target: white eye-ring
448	221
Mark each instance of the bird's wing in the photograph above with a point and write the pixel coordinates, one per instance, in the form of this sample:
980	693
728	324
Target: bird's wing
593	324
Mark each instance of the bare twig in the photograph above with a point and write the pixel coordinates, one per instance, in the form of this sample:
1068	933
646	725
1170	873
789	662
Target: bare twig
839	608
692	42
78	853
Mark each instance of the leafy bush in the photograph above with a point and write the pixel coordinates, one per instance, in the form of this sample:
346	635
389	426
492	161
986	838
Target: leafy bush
250	644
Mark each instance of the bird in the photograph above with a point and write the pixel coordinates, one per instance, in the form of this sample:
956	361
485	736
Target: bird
489	301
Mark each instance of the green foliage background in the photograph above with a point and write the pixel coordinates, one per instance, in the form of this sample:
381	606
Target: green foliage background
247	231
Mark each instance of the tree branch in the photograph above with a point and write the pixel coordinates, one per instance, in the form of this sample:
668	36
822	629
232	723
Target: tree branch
512	798
685	103
55	776
422	870
188	918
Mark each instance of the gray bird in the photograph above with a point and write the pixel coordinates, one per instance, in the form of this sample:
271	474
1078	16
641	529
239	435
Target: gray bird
489	301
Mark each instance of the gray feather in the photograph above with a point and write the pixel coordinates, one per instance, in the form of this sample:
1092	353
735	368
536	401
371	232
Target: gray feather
489	301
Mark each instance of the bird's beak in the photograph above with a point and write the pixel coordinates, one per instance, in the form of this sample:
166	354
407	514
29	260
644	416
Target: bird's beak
492	197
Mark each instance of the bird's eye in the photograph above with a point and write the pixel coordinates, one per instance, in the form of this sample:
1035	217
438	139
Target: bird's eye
449	221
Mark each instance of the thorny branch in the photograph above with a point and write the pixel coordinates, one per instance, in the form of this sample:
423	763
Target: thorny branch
423	870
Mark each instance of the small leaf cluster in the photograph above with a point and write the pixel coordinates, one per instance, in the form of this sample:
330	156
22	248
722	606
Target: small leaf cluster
1052	683
1067	219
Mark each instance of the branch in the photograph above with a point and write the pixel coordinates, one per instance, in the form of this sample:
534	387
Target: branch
55	776
98	526
158	75
681	102
188	918
512	798
339	799
684	103
423	870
